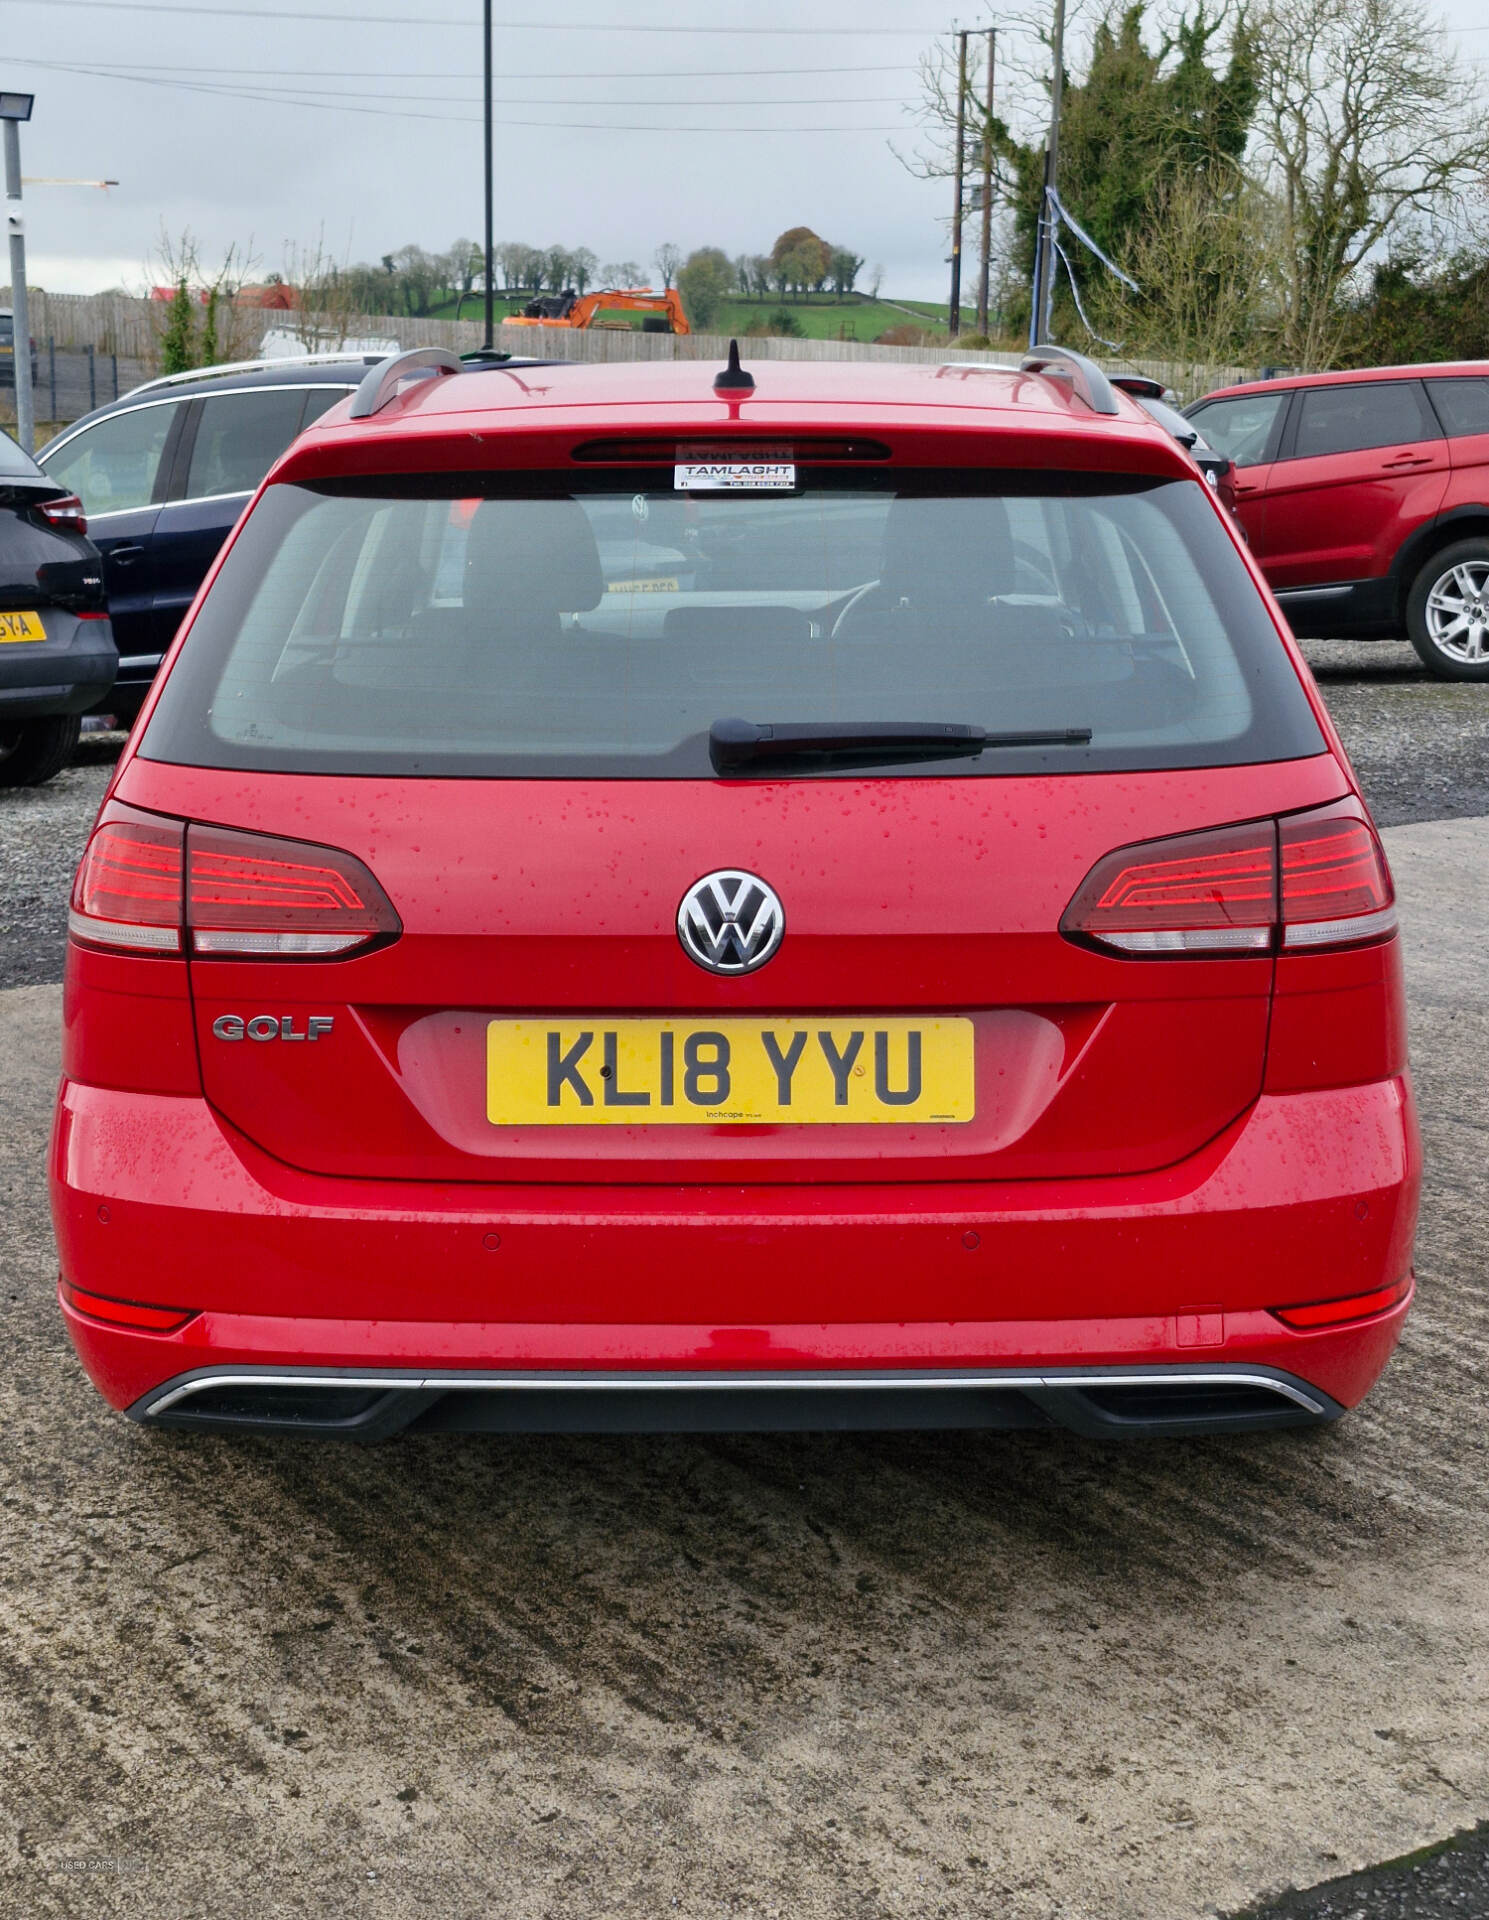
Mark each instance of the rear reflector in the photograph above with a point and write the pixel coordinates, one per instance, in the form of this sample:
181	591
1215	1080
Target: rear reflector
148	885
1356	1306
1308	881
127	1313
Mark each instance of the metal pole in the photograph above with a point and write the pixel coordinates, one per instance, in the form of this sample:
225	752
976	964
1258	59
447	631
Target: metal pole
489	339
52	376
954	318
987	185
115	359
1044	254
20	307
92	378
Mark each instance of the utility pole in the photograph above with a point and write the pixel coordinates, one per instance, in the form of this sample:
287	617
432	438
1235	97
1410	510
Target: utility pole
1044	246
489	340
987	184
954	320
15	107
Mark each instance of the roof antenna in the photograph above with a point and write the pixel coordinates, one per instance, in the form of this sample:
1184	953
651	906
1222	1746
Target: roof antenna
734	379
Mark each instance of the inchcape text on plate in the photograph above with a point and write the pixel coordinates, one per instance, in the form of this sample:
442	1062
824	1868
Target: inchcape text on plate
729	476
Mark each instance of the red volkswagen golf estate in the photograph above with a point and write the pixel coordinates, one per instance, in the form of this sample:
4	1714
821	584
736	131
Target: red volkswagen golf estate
649	898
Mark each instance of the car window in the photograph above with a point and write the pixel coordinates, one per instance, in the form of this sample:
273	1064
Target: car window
599	629
318	399
1462	405
1380	413
1239	428
239	437
113	464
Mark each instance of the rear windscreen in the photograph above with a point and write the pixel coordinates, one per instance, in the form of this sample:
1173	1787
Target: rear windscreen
597	626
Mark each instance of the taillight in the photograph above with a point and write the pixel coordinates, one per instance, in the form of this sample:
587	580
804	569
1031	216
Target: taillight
154	886
1210	892
1308	881
66	514
1336	886
249	895
128	888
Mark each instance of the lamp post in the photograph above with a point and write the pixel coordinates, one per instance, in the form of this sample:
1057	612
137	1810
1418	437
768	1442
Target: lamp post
488	340
15	107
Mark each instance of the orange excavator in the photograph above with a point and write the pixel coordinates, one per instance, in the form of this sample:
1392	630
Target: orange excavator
660	312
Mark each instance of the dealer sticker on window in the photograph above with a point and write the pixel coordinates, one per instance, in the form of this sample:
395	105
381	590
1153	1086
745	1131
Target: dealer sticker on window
727	476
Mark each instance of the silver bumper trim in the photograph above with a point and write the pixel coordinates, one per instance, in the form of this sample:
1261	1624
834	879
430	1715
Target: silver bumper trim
212	1379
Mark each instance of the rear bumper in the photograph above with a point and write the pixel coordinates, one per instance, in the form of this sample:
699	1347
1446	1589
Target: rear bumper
475	1298
67	675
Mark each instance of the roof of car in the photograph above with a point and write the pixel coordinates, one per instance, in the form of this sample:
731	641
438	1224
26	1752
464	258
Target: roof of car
340	372
679	397
1352	376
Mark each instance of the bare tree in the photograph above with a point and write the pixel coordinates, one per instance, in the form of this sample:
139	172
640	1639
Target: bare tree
667	259
203	323
328	294
621	273
583	266
463	264
1367	119
1206	264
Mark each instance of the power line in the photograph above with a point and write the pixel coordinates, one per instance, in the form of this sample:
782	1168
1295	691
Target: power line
379	73
328	96
506	26
451	119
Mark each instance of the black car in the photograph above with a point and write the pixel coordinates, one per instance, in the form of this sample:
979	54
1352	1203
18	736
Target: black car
1218	468
8	350
163	474
57	654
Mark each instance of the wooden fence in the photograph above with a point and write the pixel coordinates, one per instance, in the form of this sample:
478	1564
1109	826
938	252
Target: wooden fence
131	327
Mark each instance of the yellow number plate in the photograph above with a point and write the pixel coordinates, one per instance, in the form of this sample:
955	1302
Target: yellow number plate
21	626
795	1072
641	586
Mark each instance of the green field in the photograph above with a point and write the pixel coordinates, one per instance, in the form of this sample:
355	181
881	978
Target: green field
821	318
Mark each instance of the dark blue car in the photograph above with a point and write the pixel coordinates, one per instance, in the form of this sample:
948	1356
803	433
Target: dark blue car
163	474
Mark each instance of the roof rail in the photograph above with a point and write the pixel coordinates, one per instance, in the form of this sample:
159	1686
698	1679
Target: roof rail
1084	375
326	359
380	383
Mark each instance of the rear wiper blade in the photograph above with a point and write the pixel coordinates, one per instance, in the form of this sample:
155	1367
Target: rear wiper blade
738	743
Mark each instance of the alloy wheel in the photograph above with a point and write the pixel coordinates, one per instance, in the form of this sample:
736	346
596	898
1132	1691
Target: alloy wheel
1457	612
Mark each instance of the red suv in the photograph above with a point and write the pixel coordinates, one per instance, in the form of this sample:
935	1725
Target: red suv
645	899
1366	499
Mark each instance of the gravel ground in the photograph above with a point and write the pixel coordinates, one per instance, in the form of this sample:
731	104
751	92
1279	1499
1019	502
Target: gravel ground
1440	1883
1420	746
928	1676
42	830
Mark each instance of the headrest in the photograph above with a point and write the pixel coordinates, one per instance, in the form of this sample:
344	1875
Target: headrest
532	556
958	550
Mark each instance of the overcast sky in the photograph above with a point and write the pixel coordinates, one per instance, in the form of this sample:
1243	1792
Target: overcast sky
632	143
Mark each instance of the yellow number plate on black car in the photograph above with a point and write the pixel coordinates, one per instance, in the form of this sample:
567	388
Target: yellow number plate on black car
732	1072
21	626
